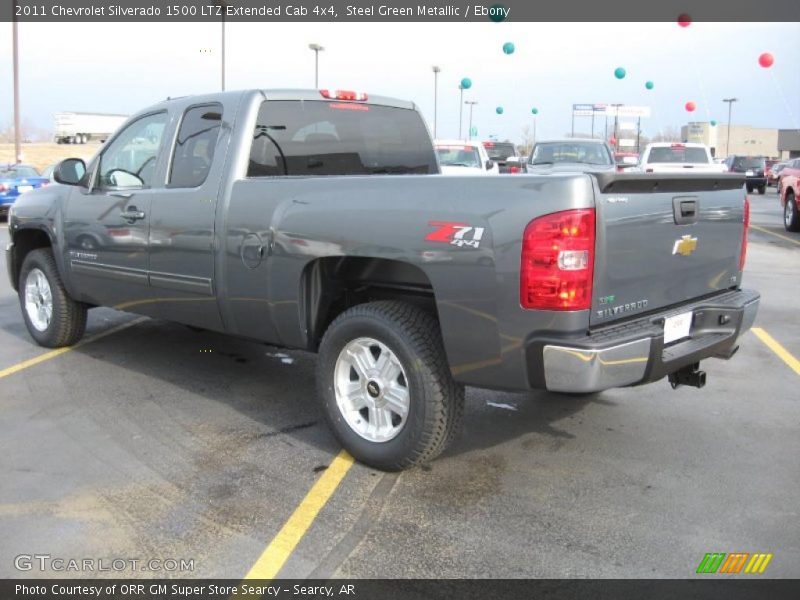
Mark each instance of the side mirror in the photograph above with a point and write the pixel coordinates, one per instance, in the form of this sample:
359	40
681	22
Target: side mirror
489	165
69	171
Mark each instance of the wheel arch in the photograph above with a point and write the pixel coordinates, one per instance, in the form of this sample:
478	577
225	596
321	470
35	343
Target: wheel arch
26	240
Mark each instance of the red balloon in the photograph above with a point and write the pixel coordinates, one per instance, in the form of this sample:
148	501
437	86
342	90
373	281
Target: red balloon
690	106
684	20
612	141
766	60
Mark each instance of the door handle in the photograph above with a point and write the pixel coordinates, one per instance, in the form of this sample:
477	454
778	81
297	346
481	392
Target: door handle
125	195
132	214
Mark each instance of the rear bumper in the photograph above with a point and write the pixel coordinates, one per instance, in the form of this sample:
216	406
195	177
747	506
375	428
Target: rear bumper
633	352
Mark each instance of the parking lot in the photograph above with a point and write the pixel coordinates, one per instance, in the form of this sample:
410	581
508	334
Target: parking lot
155	441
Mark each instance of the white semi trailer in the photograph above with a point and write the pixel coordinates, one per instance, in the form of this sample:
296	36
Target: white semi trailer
79	127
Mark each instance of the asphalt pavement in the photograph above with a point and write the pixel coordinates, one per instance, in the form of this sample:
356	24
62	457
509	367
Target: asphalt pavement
159	442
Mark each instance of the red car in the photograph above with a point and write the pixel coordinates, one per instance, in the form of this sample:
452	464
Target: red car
792	168
790	200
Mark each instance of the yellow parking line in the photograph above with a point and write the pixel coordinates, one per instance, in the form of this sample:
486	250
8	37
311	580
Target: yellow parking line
25	364
283	544
778	235
782	352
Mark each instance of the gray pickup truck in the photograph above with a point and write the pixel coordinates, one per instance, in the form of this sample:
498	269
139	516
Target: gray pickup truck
318	220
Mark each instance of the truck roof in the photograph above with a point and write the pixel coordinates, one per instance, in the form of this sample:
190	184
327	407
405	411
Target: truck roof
288	94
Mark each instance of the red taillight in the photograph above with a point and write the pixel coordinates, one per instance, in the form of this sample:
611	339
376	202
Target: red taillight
343	95
558	261
743	254
488	144
513	170
4	187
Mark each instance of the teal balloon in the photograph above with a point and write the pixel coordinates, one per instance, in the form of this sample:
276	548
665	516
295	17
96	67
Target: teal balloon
497	12
499	110
466	83
713	123
619	73
649	85
508	48
535	111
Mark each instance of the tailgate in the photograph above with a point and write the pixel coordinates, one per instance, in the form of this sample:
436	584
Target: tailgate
663	240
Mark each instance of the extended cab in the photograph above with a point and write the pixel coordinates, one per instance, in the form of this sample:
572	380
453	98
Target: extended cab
668	157
318	220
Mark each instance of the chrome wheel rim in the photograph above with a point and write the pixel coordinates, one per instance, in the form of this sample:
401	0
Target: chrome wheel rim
371	389
788	210
38	300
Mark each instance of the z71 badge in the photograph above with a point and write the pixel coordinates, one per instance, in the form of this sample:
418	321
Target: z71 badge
457	234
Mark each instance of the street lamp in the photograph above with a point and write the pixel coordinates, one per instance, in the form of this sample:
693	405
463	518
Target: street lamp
224	7
616	120
471	104
317	49
436	71
730	102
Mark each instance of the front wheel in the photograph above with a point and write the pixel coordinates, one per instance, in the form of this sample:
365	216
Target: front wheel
53	318
749	189
791	218
386	389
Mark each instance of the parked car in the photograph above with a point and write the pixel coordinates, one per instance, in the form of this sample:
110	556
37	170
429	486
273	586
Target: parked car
572	154
506	156
16	180
457	157
323	229
668	157
791	169
774	173
790	201
47	172
754	169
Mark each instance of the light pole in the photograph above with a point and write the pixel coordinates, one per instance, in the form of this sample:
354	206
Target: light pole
460	109
616	121
471	104
224	6
436	71
730	102
17	132
317	49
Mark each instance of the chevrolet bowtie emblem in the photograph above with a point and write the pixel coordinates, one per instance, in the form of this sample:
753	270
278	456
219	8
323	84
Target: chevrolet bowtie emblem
685	246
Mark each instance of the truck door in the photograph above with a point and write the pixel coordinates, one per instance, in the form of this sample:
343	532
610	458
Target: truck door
182	242
106	224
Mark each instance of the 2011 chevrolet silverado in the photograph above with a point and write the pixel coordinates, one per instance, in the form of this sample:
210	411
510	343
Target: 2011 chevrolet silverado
318	220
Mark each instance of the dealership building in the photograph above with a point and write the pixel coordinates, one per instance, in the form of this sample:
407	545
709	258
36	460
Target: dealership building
751	141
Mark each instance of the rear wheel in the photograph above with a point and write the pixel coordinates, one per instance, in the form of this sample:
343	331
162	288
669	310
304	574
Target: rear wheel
386	388
762	189
53	318
791	218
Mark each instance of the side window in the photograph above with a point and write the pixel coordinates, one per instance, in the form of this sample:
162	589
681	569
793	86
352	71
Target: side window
194	148
129	161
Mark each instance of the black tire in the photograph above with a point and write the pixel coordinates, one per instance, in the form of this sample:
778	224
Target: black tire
749	189
436	404
791	218
762	189
68	322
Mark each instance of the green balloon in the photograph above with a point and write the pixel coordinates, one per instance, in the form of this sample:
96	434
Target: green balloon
619	73
535	111
713	123
499	110
466	83
649	85
497	13
508	48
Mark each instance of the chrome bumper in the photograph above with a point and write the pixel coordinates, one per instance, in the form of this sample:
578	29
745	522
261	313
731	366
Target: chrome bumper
716	330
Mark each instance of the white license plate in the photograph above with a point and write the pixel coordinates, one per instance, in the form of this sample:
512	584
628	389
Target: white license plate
749	174
24	188
677	327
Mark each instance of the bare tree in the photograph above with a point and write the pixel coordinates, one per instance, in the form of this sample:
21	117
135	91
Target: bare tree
668	134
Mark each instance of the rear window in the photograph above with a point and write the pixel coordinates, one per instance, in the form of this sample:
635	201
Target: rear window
18	172
500	151
678	154
294	137
749	162
589	153
458	156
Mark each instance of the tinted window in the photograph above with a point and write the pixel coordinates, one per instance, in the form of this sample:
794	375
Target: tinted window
194	148
336	138
570	152
459	156
677	154
500	151
18	172
129	161
749	162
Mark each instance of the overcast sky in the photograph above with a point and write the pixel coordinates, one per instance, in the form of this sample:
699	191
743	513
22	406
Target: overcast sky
120	68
